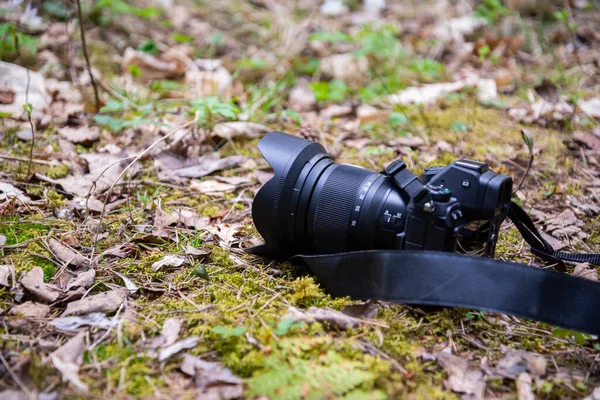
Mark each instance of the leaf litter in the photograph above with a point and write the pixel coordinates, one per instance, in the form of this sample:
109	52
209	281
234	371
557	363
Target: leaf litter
372	82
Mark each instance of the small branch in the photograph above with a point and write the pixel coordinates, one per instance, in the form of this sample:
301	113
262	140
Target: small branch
136	159
85	54
28	160
525	174
29	109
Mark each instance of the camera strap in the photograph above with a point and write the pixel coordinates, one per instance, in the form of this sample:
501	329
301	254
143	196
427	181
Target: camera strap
455	280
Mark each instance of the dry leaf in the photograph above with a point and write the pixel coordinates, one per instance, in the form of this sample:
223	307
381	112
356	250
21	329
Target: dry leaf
68	358
209	164
8	191
229	130
302	98
149	67
6	271
211	187
168	334
102	302
195	252
212	380
14	80
132	287
120	250
367	309
455	29
82	280
83	135
33	282
461	378
80	185
524	390
67	255
350	68
171	260
590	107
30	309
98	320
209	78
175	348
428	94
585	270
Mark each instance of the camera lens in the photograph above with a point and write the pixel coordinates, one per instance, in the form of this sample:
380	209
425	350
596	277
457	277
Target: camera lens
313	205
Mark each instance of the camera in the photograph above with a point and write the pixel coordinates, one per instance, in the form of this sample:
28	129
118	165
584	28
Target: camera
313	205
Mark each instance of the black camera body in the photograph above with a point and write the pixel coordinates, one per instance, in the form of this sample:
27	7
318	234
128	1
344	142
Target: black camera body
314	206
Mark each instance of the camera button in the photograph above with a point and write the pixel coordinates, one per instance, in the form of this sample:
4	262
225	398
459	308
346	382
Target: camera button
466	183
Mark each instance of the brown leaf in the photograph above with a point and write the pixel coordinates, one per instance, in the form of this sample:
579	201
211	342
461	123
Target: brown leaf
209	164
102	302
524	391
213	381
83	135
589	140
18	80
187	343
171	260
367	309
461	378
590	107
6	271
302	98
68	358
149	67
67	255
210	78
33	282
30	309
229	130
82	280
168	334
585	270
346	66
120	250
212	187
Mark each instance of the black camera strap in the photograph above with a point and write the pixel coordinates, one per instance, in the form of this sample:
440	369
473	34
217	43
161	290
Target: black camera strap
449	279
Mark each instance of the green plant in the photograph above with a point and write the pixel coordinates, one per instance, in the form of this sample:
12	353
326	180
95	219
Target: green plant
287	324
211	109
13	42
148	47
226	333
334	90
459	127
491	10
118	7
428	69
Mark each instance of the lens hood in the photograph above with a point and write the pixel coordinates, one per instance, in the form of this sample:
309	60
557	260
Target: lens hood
273	209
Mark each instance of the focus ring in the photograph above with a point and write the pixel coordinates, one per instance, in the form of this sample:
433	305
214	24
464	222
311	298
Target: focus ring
334	208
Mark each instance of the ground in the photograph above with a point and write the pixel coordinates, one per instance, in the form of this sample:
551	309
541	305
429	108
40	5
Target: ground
124	223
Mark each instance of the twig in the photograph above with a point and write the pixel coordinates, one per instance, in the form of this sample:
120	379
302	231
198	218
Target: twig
85	54
136	159
29	108
15	377
29	160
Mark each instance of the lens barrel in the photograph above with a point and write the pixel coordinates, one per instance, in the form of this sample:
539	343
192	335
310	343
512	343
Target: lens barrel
313	205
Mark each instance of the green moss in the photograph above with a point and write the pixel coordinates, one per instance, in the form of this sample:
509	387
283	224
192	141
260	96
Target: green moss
57	171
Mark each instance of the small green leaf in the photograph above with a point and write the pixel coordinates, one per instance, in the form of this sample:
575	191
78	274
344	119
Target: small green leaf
527	140
459	127
148	47
398	119
483	51
112	105
201	272
181	38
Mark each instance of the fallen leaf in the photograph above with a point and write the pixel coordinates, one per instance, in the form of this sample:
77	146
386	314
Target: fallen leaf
17	80
102	302
428	94
212	187
543	112
82	280
30	309
455	29
590	107
209	164
33	282
348	67
302	98
148	67
132	287
195	252
589	140
25	135
175	348
461	378
83	135
229	130
335	111
120	250
104	169
213	381
516	362
585	270
171	260
524	390
168	334
6	271
68	358
8	191
209	78
98	320
67	255
333	318
367	309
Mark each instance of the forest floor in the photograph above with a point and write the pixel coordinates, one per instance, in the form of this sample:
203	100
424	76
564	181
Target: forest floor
123	224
